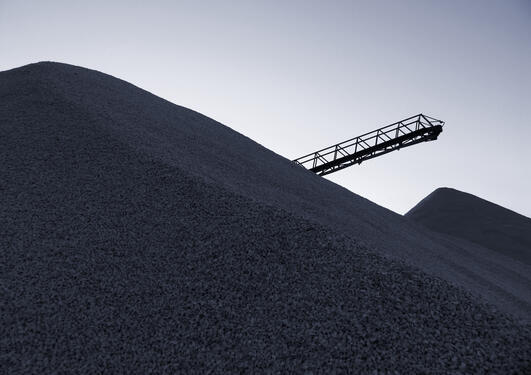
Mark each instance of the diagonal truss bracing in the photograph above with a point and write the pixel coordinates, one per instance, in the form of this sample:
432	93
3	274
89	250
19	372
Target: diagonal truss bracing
408	132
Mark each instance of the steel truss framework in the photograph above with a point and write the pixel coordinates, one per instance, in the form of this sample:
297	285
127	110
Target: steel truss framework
408	132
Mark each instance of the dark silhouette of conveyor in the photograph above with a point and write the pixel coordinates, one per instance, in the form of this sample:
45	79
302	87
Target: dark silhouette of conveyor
408	132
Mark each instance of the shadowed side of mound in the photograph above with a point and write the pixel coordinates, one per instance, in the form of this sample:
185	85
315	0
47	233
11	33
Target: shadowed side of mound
477	220
114	259
200	146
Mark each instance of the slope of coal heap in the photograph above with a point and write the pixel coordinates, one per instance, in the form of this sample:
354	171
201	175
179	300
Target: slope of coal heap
474	219
129	244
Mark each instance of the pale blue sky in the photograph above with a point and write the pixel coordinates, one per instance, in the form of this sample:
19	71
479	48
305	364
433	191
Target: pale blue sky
297	76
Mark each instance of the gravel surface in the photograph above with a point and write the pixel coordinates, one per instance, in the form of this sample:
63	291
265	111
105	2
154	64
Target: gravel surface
206	149
477	220
120	256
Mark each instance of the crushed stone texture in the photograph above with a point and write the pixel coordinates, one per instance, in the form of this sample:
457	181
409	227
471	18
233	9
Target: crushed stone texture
116	257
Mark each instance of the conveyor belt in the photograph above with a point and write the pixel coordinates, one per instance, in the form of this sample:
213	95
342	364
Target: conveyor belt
408	132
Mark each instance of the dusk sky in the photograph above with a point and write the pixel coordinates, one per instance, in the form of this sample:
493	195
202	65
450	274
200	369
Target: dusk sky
297	76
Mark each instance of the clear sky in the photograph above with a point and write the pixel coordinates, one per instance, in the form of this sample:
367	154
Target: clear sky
297	76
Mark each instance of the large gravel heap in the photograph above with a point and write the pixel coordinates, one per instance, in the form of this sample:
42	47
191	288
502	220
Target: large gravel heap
138	236
477	220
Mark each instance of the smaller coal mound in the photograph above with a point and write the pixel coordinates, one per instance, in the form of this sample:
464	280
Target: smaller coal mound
474	219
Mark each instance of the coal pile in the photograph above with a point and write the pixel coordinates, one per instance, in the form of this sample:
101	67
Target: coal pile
477	220
138	236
